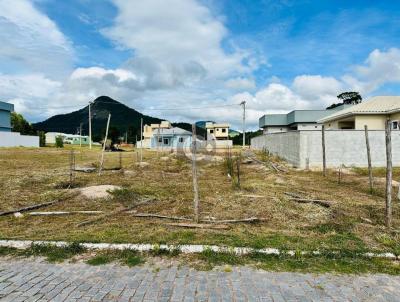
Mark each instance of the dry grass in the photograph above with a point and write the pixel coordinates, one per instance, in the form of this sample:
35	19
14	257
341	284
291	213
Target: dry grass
30	176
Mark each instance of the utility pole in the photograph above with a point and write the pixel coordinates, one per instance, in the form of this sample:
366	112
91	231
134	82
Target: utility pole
90	126
244	122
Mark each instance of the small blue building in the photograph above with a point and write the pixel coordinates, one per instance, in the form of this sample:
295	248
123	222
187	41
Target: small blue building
5	116
171	139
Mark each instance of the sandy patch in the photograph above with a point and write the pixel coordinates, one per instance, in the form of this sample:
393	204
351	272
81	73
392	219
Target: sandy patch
96	192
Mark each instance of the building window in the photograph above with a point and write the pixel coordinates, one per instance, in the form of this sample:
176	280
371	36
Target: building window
181	139
166	141
395	125
160	140
315	127
224	130
211	131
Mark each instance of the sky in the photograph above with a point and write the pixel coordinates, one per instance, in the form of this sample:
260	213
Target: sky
190	60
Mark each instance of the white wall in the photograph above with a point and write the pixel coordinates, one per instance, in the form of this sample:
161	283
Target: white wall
14	139
309	127
342	147
277	129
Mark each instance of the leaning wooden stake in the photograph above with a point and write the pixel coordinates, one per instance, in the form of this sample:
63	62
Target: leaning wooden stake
194	173
371	184
104	144
388	208
323	150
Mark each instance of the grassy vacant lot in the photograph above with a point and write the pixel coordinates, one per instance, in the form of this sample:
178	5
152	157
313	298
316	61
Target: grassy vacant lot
355	222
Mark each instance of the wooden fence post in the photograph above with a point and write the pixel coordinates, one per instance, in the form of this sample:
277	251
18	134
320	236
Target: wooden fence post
194	173
238	170
323	150
388	208
104	144
371	184
71	167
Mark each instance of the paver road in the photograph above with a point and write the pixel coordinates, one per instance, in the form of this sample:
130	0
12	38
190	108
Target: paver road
37	280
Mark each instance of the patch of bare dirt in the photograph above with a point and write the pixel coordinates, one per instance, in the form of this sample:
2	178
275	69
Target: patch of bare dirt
97	192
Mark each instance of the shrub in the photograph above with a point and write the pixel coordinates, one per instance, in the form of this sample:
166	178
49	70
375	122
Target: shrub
59	142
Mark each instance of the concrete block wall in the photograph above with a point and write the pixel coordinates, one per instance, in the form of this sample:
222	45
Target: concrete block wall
15	139
285	145
345	147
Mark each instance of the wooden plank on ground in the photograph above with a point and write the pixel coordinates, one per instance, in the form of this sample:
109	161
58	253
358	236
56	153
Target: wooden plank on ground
118	211
60	213
200	226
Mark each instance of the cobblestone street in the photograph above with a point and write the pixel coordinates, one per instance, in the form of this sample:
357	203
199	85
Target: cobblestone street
37	280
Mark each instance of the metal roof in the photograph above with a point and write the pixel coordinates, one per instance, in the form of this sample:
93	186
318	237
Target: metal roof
296	116
172	131
6	106
376	105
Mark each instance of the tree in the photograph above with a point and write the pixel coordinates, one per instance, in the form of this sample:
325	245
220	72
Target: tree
350	97
19	124
59	142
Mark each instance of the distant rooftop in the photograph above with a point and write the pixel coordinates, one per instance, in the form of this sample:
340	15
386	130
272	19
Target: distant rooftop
6	106
172	131
376	105
297	116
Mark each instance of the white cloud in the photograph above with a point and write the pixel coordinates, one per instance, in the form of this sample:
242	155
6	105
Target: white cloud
175	33
178	61
240	83
31	42
379	68
29	92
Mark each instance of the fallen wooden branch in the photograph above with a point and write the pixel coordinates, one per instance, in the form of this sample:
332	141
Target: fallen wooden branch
252	196
366	220
274	167
251	220
292	194
28	208
324	203
64	213
298	198
120	210
150	215
200	226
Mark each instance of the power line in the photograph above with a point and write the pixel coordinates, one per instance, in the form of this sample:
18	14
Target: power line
149	109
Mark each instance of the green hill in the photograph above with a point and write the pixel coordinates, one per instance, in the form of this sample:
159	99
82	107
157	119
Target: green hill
123	120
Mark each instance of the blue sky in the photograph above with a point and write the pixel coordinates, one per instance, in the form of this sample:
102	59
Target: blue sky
276	55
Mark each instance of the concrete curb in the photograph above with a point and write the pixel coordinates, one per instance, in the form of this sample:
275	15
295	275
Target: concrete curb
185	248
